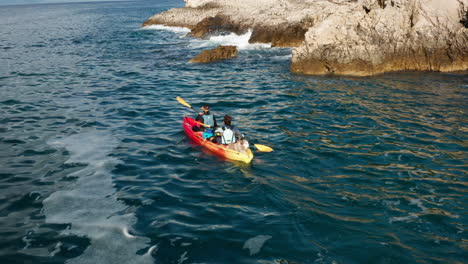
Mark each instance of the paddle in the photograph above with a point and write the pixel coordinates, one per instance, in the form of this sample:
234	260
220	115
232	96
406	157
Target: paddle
183	102
261	148
200	123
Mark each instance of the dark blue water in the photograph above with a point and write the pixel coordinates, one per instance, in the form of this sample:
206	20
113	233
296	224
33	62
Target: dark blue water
95	167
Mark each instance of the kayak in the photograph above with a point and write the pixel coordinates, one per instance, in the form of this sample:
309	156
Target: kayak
218	149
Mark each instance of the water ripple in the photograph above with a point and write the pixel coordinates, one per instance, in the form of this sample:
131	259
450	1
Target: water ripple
365	170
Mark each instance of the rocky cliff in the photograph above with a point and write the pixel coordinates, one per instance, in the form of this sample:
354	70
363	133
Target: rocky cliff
351	37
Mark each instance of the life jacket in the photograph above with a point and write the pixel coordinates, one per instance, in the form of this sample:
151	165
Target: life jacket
208	119
228	135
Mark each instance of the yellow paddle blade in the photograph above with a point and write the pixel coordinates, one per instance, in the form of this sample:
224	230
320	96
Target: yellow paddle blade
263	148
182	101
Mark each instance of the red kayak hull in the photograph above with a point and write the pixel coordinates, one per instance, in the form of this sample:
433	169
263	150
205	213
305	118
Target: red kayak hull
217	149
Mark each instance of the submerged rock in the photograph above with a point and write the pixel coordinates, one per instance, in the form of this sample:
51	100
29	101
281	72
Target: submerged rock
219	53
346	37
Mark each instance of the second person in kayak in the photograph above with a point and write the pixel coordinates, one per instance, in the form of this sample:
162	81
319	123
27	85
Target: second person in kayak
231	136
227	133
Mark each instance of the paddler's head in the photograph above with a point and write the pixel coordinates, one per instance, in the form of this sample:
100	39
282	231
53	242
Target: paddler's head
206	109
227	120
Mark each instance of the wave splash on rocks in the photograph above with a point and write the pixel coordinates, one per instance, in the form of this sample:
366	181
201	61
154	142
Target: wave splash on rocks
232	39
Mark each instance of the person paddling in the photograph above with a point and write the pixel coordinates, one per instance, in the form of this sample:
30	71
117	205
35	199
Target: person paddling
207	118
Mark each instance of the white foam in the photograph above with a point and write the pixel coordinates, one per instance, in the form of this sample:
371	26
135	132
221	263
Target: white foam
91	207
27	241
255	244
182	258
152	249
390	203
183	30
127	234
241	41
283	57
174	240
56	249
418	203
407	218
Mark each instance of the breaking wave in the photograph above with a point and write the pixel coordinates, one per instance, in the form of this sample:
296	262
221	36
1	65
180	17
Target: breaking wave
166	28
241	41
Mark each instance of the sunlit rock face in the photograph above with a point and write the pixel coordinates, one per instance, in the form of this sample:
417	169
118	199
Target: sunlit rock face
384	36
345	37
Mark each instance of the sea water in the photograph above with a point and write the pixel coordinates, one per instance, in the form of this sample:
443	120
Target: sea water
95	167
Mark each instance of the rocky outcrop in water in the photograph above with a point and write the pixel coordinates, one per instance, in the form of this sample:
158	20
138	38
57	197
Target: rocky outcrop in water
350	37
219	53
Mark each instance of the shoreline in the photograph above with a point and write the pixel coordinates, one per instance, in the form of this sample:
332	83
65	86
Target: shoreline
362	38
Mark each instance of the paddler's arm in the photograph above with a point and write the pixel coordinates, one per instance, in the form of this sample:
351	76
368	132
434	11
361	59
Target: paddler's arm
238	134
199	118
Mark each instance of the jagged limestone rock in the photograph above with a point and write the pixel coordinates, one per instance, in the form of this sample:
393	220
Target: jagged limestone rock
350	37
391	36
